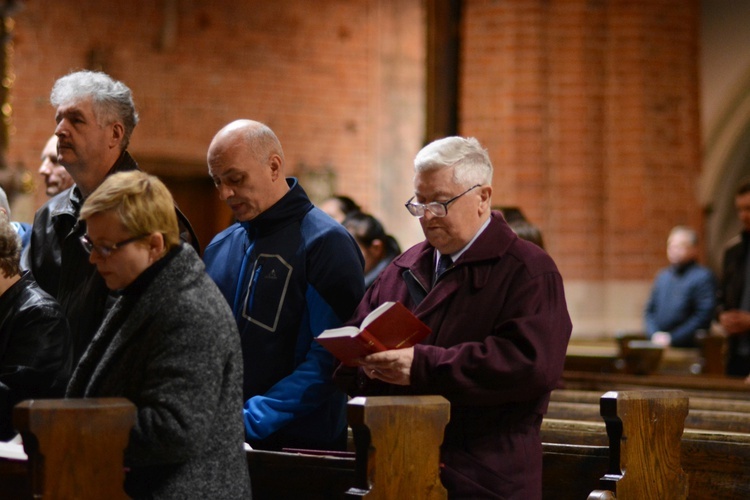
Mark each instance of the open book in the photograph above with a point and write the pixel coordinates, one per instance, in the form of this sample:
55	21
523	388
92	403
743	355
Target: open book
13	449
390	326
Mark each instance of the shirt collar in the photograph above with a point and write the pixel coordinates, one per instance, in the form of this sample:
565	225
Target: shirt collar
459	253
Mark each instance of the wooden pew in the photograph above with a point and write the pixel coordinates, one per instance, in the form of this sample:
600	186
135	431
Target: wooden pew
708	413
717	463
721	387
397	452
571	470
630	352
727	421
75	449
397	455
644	430
698	402
716	459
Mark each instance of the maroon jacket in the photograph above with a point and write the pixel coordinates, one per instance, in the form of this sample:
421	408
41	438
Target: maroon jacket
500	329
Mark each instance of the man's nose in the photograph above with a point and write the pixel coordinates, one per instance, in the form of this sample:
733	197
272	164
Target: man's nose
61	130
45	168
224	192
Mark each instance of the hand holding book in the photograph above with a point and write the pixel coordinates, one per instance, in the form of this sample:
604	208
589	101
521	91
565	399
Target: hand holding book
390	326
392	366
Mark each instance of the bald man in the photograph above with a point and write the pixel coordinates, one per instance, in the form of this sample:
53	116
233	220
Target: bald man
289	272
56	178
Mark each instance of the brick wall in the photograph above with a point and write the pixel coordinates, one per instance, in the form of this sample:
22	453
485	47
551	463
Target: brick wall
590	112
313	71
589	108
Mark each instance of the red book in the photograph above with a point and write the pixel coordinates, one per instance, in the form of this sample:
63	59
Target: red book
390	326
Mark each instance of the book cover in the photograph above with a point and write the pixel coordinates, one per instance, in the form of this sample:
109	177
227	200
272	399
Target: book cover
390	326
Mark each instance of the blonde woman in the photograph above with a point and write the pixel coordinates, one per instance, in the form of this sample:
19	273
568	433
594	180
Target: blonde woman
169	344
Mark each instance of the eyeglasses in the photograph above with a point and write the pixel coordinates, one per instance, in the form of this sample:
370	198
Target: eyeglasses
106	251
436	208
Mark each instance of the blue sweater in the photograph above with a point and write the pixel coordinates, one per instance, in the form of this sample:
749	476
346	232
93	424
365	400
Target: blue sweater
682	301
289	274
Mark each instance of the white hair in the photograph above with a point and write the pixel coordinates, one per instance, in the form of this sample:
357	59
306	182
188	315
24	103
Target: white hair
470	162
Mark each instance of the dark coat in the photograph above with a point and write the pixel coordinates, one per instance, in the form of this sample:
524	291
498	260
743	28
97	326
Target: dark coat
171	346
62	268
33	339
500	329
729	297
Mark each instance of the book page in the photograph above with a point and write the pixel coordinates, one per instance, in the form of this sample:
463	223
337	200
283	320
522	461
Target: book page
376	313
344	331
13	449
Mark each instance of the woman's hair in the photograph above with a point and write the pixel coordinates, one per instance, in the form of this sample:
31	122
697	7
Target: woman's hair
10	248
365	228
527	231
142	201
112	100
346	204
470	161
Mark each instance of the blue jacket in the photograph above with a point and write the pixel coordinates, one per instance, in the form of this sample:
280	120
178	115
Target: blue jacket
682	301
289	274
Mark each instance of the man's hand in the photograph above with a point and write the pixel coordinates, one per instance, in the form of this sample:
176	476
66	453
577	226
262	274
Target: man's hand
735	321
663	339
393	366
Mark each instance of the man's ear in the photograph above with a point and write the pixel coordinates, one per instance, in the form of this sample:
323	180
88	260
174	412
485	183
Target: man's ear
118	134
276	164
485	197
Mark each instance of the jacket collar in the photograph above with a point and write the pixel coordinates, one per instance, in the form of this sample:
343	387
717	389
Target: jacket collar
16	288
290	208
69	202
492	244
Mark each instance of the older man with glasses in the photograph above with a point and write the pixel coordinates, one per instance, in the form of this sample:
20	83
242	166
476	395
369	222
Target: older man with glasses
500	326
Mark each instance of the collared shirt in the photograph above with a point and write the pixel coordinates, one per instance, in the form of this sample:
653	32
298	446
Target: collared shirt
459	253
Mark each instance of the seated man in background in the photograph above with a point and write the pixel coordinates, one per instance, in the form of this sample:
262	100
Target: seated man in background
33	332
683	296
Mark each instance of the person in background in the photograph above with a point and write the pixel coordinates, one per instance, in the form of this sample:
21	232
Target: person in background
520	225
23	229
33	333
377	247
527	231
289	272
734	290
339	207
95	118
169	345
500	327
683	296
56	178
